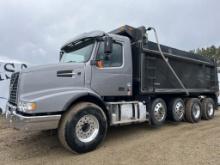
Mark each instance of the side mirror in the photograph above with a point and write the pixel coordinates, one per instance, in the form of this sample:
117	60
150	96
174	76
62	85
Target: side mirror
108	45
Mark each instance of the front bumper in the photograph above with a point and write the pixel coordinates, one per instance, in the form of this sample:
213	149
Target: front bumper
18	121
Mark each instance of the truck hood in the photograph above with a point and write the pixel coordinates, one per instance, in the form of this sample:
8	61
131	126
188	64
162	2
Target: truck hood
51	67
51	77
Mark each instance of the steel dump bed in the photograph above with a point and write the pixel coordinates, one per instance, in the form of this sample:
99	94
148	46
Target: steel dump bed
151	73
197	73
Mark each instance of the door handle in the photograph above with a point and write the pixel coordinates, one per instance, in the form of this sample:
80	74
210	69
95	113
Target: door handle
67	73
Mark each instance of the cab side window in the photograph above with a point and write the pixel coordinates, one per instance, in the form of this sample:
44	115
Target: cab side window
115	59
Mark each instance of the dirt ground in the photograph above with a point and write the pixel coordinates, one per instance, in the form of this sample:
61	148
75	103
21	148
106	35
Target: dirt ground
172	144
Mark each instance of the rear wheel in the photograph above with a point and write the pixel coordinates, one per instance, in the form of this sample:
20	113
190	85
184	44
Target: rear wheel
176	109
193	110
208	108
83	128
158	112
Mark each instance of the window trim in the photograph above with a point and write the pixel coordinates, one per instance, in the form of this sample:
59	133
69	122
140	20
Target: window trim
114	67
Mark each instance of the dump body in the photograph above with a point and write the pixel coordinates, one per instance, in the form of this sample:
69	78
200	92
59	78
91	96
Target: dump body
152	75
197	73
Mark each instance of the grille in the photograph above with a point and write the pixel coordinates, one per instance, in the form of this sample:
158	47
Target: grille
13	88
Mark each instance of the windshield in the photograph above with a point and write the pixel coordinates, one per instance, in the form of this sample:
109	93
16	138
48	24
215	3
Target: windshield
79	52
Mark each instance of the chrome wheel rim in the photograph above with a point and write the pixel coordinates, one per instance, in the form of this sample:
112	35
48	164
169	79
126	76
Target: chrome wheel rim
159	111
179	110
196	110
210	109
87	128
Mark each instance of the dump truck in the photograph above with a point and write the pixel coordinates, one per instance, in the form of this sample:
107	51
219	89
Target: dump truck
112	79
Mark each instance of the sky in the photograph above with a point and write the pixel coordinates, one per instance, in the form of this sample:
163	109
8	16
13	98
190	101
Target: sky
34	30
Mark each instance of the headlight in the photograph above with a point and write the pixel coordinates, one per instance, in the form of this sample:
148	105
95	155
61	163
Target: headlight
27	106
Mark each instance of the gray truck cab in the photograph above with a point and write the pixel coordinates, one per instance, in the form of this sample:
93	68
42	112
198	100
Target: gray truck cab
101	67
108	79
51	89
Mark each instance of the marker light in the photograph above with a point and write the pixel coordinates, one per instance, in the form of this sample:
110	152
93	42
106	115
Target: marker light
27	106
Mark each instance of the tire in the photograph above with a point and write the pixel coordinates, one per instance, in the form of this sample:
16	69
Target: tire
82	128
208	108
176	109
158	112
193	110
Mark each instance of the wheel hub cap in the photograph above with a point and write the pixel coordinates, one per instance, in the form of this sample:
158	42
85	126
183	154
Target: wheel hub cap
87	128
179	109
210	109
159	112
196	111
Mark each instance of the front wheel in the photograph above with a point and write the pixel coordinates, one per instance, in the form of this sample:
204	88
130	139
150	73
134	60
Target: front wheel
83	128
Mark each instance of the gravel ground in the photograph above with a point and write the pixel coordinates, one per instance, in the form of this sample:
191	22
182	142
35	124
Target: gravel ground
172	144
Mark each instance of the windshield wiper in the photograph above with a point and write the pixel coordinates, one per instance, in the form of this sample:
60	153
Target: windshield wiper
70	61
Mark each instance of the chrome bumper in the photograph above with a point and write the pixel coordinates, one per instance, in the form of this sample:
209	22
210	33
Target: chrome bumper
21	122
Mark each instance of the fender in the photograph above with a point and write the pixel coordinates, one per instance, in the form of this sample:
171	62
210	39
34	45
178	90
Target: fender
90	97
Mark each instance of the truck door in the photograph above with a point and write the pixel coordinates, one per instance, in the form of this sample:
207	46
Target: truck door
113	77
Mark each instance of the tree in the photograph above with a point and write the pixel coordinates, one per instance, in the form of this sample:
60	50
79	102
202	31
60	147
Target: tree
211	52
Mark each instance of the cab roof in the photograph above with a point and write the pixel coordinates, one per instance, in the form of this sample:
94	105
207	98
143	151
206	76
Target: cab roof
92	34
